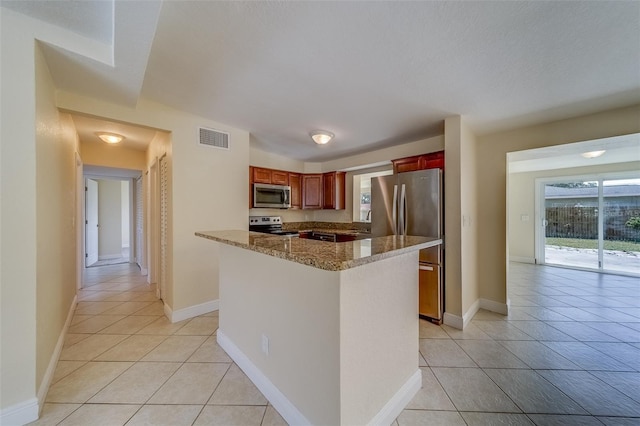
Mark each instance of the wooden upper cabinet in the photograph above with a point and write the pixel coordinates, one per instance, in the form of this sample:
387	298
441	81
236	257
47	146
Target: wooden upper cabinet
409	164
296	190
308	191
312	191
433	160
333	185
279	177
261	175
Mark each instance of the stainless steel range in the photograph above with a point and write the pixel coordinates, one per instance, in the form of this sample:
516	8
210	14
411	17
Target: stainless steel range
269	225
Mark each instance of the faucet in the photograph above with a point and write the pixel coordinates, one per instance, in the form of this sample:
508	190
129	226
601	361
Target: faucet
368	218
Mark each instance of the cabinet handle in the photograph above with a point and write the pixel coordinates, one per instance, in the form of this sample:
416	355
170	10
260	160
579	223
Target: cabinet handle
426	268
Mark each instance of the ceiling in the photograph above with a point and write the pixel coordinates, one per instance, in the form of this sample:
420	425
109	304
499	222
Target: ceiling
619	149
135	137
376	74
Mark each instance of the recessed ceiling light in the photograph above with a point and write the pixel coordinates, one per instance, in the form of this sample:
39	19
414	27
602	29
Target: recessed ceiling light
112	138
593	154
321	137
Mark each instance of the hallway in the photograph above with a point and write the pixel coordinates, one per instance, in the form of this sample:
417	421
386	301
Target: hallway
568	354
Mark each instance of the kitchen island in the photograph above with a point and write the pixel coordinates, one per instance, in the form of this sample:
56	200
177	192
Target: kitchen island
327	331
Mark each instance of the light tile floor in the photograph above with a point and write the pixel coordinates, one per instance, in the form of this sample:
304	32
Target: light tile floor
567	354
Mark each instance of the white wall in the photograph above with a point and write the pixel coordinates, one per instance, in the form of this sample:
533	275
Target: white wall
17	216
37	219
492	176
521	198
109	218
208	191
125	197
56	145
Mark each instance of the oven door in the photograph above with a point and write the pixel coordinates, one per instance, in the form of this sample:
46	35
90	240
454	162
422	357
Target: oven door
271	196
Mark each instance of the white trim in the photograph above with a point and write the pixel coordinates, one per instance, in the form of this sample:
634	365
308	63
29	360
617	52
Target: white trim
144	271
191	311
109	256
55	356
280	402
497	307
471	312
522	259
399	401
20	413
452	320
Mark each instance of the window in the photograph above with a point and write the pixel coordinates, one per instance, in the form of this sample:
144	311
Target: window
362	195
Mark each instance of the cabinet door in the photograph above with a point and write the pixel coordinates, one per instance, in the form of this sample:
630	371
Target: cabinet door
409	164
434	160
296	190
261	175
279	177
333	190
312	191
429	293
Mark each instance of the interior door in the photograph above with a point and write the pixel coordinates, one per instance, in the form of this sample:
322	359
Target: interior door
91	223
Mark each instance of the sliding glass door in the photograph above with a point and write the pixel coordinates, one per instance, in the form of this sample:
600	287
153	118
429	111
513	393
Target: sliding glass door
591	223
621	225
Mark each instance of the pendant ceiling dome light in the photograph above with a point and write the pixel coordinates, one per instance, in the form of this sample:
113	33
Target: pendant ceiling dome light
321	137
111	138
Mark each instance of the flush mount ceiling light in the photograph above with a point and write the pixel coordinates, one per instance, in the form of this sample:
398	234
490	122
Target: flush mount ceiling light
593	154
112	138
321	137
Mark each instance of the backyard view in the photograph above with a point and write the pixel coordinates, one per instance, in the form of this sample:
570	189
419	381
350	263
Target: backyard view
578	235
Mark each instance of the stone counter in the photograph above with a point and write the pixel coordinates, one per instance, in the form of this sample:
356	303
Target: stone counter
322	254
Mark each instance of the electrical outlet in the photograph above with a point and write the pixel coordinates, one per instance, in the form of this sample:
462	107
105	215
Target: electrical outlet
265	344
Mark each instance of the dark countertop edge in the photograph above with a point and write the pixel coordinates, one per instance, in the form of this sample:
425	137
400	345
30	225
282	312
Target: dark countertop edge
326	265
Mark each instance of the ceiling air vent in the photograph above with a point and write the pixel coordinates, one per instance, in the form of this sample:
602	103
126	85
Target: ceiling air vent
214	138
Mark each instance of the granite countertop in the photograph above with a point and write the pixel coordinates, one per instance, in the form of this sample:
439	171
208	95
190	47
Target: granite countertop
334	231
322	254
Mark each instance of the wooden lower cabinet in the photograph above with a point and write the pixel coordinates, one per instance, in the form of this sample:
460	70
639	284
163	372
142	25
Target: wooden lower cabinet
312	191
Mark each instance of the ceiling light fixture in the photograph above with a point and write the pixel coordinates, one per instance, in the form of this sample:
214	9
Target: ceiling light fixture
321	137
112	138
593	154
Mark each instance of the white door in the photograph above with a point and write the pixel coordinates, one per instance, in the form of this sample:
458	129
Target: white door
139	225
91	222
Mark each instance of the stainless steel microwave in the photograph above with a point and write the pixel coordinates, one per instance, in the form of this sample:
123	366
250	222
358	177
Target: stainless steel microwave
271	196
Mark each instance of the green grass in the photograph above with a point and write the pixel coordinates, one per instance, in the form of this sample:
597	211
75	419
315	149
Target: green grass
593	244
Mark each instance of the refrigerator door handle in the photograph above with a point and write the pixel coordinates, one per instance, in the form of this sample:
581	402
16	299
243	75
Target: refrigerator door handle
395	209
403	210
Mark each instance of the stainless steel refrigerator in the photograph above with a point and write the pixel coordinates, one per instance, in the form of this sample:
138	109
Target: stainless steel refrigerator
411	204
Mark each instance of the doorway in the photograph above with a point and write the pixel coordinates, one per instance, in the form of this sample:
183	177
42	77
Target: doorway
108	234
591	222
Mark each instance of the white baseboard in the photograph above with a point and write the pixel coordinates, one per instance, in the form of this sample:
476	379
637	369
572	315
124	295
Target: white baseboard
51	368
399	401
452	320
280	402
522	259
191	311
110	256
497	307
468	316
144	271
20	414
